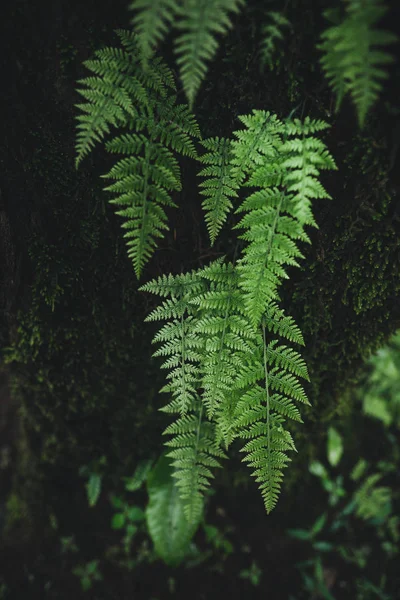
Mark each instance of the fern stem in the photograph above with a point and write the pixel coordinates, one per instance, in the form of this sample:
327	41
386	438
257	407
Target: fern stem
183	408
267	391
271	235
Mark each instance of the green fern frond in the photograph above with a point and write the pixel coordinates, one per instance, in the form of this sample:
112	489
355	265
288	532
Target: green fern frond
260	413
194	438
151	22
256	145
304	159
284	325
227	335
353	60
195	453
219	185
199	21
272	33
286	171
144	104
142	185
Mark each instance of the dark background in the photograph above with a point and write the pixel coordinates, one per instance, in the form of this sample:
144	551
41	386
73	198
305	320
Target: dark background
76	380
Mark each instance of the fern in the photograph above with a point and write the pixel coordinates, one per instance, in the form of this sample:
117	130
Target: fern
272	33
143	103
151	23
286	171
352	60
194	447
199	21
229	378
260	413
219	187
227	335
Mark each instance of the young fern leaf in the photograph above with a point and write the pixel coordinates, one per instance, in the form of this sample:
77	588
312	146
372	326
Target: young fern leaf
353	60
272	33
144	104
219	187
199	21
195	449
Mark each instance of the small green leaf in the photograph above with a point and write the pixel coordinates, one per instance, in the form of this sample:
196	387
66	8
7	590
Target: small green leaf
117	502
378	408
318	525
359	469
334	447
86	583
318	469
140	475
300	534
135	513
118	521
91	567
323	546
93	488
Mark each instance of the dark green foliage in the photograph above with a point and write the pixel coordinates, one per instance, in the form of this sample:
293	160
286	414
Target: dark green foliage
199	21
353	59
272	33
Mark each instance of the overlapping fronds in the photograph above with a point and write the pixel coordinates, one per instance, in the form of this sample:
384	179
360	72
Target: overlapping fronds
198	21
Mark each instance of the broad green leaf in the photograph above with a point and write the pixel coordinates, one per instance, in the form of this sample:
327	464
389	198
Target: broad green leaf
118	521
334	447
318	469
93	488
166	521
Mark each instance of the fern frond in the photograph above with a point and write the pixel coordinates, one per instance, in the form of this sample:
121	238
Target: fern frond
142	185
199	21
151	22
219	185
285	326
272	33
195	453
353	60
194	438
286	170
144	104
256	145
227	334
304	158
260	413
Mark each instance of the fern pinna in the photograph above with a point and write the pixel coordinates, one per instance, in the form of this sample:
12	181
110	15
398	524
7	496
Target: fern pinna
230	376
151	128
